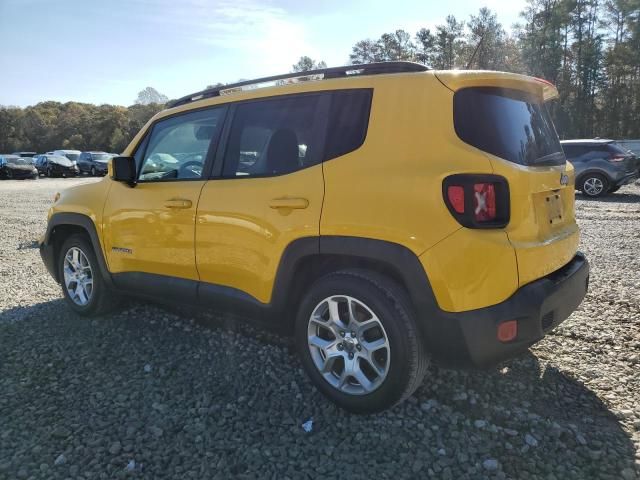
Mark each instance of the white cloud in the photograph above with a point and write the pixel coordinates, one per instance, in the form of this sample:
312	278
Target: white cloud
267	37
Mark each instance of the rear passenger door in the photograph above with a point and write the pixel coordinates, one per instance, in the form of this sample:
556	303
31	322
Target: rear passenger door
266	192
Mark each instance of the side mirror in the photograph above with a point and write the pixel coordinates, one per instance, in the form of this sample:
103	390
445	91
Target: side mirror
124	170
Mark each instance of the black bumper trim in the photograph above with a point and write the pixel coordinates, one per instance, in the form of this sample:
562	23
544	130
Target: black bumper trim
470	338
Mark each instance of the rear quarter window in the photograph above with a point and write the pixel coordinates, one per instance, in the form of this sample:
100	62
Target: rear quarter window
509	124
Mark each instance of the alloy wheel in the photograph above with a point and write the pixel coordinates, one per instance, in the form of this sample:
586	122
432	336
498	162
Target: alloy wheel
78	276
593	186
348	345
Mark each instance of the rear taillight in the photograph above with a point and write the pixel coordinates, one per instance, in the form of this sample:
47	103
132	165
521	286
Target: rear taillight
477	201
617	158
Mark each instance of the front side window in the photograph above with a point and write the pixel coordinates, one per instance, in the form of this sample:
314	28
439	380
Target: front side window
510	124
178	146
276	136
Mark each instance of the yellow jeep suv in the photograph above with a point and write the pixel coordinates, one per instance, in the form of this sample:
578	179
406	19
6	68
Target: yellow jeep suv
386	214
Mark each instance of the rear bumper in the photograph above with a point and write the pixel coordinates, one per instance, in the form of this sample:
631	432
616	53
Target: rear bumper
470	338
629	178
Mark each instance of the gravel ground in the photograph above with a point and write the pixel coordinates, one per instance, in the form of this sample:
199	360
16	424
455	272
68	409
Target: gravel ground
159	393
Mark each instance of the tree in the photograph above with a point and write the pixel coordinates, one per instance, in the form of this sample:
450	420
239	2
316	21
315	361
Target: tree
485	42
389	47
307	63
151	95
449	43
365	51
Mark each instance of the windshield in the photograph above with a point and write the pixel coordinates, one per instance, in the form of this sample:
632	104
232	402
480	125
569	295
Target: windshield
72	156
509	124
100	157
21	161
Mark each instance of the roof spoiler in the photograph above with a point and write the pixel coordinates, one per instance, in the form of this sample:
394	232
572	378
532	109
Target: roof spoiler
458	79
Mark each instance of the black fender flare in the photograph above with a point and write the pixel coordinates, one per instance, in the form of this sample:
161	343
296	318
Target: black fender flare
403	262
76	220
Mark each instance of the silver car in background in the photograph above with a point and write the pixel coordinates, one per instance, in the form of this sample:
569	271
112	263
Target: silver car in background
602	166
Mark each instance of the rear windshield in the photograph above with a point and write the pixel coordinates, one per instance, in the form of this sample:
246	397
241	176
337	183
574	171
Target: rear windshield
509	124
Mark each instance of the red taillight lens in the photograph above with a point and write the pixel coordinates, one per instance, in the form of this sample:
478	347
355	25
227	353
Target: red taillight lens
508	331
617	158
477	200
484	202
455	193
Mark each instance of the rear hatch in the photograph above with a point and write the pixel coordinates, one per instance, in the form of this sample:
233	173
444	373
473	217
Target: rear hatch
506	118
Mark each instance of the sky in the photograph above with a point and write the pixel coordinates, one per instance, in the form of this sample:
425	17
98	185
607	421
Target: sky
106	51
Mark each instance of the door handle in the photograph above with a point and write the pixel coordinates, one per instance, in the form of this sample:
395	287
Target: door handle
287	202
178	203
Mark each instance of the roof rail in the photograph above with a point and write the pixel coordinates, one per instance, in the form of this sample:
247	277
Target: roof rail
318	74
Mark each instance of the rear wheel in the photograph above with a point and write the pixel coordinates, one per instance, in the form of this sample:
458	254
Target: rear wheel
594	185
358	341
84	289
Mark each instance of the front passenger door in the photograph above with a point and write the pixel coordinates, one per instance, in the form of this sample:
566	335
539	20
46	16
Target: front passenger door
149	229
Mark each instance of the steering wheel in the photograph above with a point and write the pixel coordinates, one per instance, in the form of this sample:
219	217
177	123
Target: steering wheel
186	170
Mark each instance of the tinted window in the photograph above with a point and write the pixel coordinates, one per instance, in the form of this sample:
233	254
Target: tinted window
616	149
574	151
509	124
178	146
277	136
348	122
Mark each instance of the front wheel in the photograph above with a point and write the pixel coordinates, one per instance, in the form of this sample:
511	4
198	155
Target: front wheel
93	171
594	185
84	289
358	341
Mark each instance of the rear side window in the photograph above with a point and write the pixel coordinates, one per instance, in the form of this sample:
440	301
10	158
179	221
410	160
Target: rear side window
348	122
282	135
276	136
509	124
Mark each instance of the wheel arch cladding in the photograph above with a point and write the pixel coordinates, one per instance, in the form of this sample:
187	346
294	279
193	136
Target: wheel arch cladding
61	226
305	260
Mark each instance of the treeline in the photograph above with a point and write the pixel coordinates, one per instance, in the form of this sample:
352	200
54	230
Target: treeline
590	49
79	126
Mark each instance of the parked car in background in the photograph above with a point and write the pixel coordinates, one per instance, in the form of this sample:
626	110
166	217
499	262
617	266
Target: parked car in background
56	166
602	166
72	155
25	154
17	168
94	163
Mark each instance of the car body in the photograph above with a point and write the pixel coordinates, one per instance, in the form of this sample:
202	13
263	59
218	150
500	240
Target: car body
94	163
72	155
384	214
602	166
53	165
17	168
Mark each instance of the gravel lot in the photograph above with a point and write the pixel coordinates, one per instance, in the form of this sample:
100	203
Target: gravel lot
164	393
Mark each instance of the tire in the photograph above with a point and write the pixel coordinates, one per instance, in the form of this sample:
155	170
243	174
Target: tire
101	299
401	364
594	185
49	172
93	171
